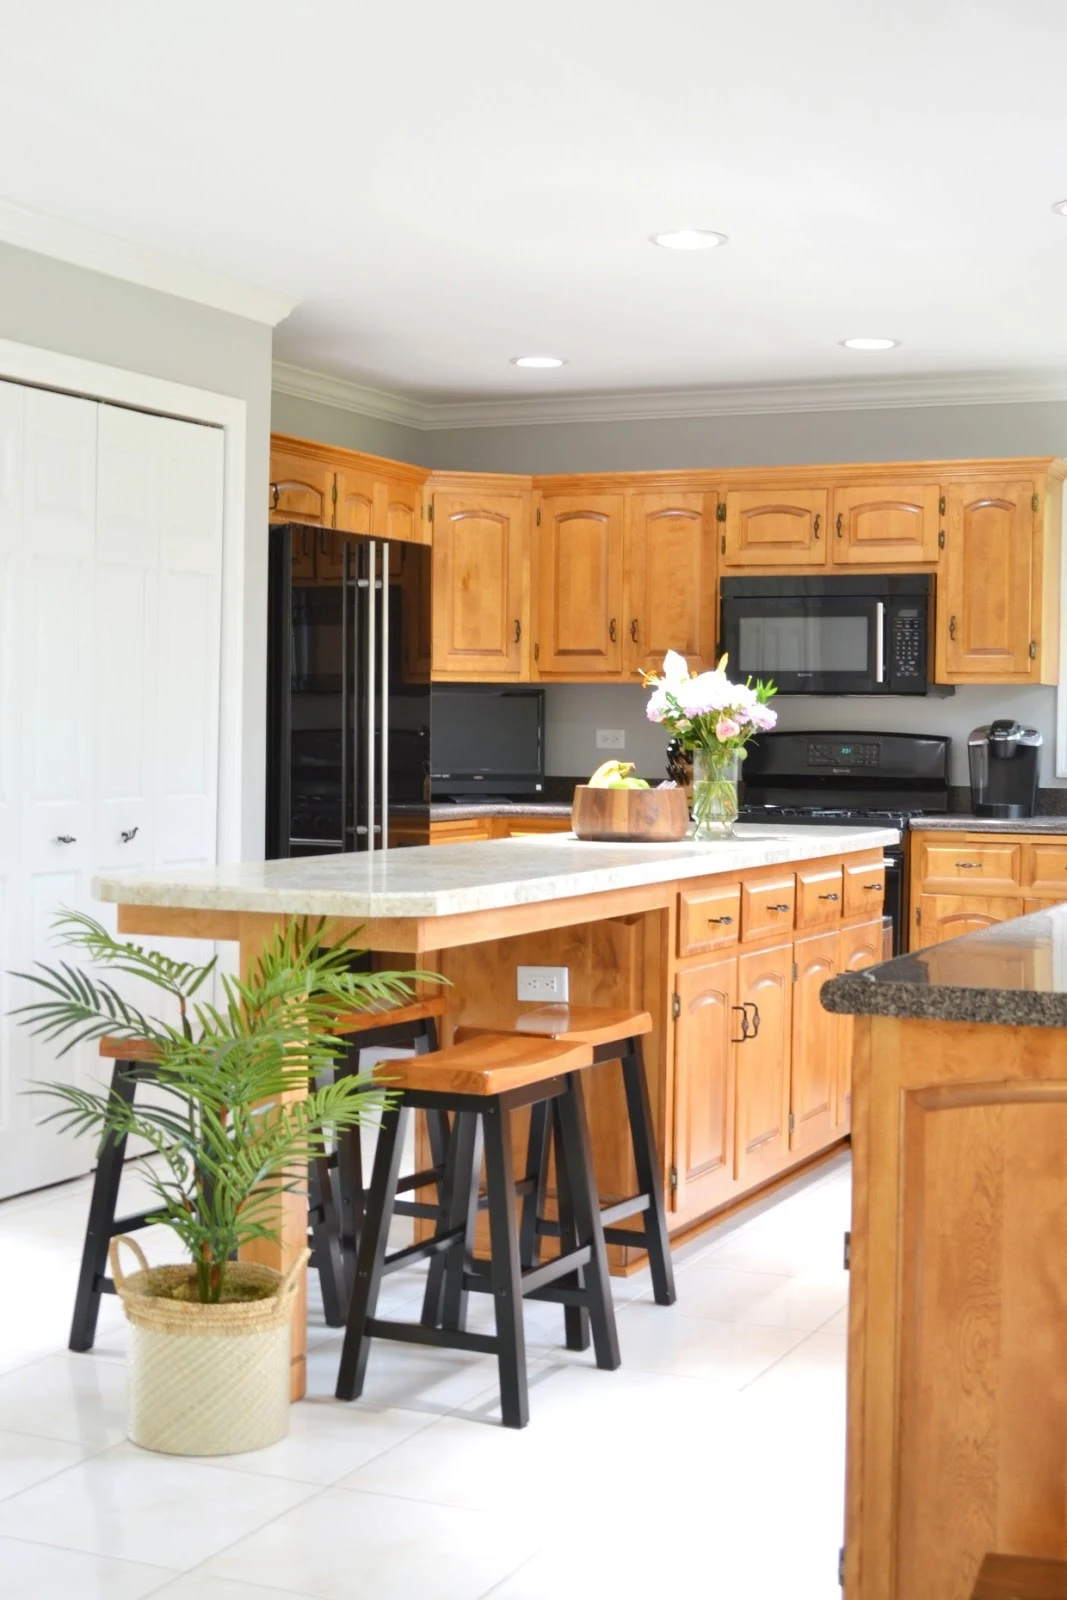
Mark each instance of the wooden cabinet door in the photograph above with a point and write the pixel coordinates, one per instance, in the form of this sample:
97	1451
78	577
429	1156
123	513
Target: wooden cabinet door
704	1058
885	523
985	624
670	579
479	551
356	493
301	489
944	916
957	864
775	528
764	982
580	618
815	1045
416	621
400	512
860	947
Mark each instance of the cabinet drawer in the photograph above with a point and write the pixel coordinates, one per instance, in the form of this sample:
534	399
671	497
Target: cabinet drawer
819	892
864	888
767	906
961	866
708	919
1046	869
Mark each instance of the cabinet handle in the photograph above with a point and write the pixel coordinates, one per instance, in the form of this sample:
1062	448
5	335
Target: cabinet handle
129	834
322	540
65	838
965	865
518	630
755	1017
744	1026
816	525
725	920
840	523
275	496
611	630
829	897
873	886
537	650
782	907
633	630
952	627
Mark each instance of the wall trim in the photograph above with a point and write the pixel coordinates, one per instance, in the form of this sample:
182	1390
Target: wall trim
655	405
119	258
93	380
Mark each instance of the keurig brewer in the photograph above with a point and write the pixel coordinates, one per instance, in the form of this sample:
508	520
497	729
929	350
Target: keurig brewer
1003	762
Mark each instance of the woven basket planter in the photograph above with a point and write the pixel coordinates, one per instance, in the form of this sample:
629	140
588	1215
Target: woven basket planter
205	1380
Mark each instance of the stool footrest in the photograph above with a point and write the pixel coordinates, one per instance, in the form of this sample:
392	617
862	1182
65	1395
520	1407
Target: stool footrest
417	1208
422	1250
130	1224
623	1208
532	1279
445	1338
420	1180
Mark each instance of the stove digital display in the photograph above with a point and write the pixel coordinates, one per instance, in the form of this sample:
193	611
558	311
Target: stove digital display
843	755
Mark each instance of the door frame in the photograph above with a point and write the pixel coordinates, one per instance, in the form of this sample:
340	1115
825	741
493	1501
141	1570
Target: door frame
94	380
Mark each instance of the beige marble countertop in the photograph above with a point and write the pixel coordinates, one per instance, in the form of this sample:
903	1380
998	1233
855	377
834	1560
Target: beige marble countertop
447	880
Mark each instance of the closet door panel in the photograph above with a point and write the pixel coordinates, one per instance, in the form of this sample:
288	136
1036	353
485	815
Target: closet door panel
15	1113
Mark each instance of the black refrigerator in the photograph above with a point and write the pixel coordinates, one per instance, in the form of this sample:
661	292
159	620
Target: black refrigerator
348	704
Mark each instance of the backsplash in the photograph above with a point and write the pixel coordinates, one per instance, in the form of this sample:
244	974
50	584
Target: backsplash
574	712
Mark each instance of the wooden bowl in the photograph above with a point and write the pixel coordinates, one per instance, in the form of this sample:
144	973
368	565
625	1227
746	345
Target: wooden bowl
638	816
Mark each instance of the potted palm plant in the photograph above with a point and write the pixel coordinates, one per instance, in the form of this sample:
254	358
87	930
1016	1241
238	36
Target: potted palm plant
242	1094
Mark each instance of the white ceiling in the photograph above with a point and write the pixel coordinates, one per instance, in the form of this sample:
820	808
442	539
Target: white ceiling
442	186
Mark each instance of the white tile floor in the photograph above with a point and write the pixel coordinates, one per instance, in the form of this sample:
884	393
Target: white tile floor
711	1463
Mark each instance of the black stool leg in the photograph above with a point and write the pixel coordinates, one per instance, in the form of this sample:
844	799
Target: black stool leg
372	1249
445	1303
649	1180
325	1230
102	1206
577	1154
575	1318
504	1269
533	1201
350	1192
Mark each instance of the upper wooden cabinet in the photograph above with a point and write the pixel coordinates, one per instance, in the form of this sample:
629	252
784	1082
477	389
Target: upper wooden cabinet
883	524
669	586
301	488
345	489
987	626
581	622
777	528
480	583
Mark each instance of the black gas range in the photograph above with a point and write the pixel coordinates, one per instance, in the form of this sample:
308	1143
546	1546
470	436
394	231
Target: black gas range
850	779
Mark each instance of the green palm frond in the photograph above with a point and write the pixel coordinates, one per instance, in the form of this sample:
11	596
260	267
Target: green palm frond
245	1090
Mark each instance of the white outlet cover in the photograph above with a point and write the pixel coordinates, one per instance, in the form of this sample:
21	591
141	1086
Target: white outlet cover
611	738
544	985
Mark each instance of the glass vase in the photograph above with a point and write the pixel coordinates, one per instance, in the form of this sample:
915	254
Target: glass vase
714	808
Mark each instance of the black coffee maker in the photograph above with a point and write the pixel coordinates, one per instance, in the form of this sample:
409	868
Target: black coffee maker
1003	762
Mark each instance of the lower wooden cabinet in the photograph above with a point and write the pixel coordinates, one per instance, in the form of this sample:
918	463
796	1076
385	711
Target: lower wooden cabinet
962	882
705	1076
764	988
860	947
947	916
815	1046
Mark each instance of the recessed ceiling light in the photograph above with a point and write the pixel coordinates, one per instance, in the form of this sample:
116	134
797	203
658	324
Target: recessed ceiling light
870	344
1061	207
537	361
689	239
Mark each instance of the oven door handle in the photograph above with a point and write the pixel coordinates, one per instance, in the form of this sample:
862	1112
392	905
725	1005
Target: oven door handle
879	642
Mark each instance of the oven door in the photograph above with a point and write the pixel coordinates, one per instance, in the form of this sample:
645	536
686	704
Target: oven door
808	644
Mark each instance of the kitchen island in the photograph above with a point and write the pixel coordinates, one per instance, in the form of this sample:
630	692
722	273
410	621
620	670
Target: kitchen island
726	945
957	1408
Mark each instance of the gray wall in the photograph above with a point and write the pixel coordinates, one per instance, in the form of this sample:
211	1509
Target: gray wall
60	307
308	419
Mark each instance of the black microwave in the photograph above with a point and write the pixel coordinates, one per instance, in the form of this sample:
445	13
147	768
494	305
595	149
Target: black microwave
849	635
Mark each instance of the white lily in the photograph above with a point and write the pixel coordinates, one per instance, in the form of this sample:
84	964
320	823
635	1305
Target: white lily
675	668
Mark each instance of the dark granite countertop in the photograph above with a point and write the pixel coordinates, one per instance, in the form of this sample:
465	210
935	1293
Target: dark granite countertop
963	823
1014	974
455	811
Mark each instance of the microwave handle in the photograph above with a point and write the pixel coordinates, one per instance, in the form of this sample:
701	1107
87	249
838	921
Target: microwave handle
879	642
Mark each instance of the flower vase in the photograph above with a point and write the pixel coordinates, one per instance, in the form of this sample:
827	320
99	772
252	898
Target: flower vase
714	809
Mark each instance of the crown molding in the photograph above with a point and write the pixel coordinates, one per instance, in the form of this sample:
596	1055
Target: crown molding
134	263
658	405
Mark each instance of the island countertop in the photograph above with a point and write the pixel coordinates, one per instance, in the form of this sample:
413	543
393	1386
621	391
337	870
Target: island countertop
1014	974
440	881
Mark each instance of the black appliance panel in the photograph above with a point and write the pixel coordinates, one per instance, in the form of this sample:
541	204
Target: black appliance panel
487	740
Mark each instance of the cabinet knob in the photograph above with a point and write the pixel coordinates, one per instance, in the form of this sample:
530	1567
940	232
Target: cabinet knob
965	866
128	834
782	907
828	897
611	630
952	627
744	1026
275	496
633	630
725	920
840	523
65	838
816	525
518	630
873	886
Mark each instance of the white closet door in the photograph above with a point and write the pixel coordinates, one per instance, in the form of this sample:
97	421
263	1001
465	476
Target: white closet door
14	1049
53	575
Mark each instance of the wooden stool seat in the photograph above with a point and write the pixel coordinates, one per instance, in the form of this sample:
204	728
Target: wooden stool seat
1021	1578
480	1084
614	1034
594	1025
354	1023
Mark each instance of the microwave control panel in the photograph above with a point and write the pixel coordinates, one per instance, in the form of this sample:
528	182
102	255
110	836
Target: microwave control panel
907	647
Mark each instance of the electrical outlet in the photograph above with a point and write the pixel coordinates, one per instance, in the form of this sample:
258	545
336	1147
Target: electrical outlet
611	738
544	983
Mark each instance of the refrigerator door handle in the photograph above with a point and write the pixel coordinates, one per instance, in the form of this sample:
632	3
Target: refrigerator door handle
371	689
384	754
346	577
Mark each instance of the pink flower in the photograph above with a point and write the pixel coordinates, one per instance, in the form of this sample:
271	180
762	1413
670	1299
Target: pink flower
727	728
656	710
763	717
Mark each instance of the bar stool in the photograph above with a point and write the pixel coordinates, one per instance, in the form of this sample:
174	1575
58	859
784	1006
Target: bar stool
481	1084
614	1034
336	1195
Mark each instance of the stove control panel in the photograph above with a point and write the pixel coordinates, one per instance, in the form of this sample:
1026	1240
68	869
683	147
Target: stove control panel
846	755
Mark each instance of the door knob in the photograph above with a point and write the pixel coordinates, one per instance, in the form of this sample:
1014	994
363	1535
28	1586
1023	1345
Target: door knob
128	833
